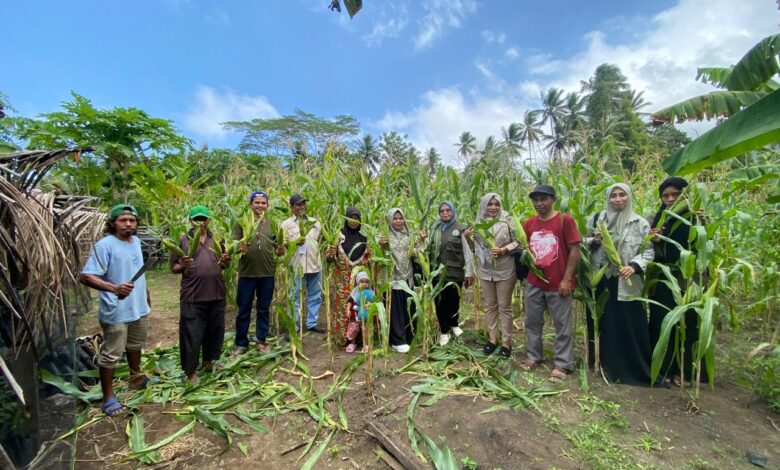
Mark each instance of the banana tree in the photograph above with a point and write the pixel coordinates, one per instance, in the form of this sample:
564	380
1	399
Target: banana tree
749	105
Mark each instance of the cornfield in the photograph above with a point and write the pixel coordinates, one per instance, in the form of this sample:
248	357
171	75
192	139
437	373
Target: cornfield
735	249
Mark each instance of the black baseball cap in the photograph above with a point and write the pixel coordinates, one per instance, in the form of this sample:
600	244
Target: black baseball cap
542	189
297	199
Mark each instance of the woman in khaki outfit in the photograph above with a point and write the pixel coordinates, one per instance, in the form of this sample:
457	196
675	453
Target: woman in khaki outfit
495	268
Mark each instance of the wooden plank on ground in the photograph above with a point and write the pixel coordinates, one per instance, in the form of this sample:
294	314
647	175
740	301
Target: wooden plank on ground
388	460
397	448
393	404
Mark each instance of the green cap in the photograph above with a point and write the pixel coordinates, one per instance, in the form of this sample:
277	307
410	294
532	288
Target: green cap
199	211
120	209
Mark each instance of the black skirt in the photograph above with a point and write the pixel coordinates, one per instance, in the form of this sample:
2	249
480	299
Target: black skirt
401	328
624	338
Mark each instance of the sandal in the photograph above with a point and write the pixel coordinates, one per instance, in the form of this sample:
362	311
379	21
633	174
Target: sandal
557	375
261	347
529	364
489	348
351	347
113	408
144	383
505	352
677	381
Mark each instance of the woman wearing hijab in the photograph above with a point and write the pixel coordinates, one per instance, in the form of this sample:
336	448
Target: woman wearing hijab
350	251
624	344
401	250
448	247
668	254
495	268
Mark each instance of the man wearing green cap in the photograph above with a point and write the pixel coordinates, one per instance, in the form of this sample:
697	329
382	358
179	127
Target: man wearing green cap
124	306
202	297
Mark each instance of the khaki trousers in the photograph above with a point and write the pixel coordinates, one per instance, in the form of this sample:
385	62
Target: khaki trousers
497	300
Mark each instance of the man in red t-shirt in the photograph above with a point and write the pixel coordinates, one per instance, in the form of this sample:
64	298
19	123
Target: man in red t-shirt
554	241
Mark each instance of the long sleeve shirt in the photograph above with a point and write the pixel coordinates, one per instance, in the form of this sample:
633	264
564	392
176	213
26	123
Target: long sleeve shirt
307	256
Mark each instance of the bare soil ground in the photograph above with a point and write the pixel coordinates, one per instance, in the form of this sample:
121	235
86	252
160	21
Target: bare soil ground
608	427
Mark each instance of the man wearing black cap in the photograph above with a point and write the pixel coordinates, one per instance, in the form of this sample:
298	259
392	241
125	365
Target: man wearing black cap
124	306
306	262
553	240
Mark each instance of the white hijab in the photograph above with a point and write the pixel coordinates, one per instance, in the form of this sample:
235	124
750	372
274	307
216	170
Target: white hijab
617	220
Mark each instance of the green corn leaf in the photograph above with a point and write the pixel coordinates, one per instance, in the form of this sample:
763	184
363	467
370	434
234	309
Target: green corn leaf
311	461
135	434
443	459
244	449
410	428
93	394
670	321
687	263
164	442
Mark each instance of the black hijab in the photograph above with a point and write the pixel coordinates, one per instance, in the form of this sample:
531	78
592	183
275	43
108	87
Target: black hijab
354	242
673	228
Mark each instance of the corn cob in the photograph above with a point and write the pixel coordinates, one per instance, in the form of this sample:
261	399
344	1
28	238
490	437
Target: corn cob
194	240
609	245
249	226
217	249
173	247
530	261
483	230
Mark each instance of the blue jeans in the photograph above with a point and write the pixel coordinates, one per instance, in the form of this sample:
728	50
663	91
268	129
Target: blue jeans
248	289
313	301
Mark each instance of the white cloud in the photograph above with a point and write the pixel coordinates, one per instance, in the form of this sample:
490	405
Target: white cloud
543	64
493	37
441	14
388	29
218	17
483	69
692	34
213	107
662	62
512	53
445	113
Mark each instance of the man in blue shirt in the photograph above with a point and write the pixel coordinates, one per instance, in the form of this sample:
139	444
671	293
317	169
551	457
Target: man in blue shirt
124	306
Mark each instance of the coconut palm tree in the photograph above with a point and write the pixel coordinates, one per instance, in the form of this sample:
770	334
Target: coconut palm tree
568	133
552	108
368	152
511	139
467	146
604	90
532	133
432	159
637	101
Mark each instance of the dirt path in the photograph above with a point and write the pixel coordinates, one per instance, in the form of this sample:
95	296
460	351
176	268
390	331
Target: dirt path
609	427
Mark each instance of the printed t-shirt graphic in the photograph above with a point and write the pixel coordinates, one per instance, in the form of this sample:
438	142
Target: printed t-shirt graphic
544	246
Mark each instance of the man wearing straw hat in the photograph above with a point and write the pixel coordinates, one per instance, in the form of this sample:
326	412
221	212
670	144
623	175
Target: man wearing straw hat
124	305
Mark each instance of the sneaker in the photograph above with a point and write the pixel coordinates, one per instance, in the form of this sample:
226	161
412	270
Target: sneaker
316	329
444	339
401	348
456	331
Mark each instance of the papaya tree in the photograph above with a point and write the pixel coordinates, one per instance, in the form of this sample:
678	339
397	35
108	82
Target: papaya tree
121	138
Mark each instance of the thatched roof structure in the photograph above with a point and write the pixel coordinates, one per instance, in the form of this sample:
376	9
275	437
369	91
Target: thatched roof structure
43	237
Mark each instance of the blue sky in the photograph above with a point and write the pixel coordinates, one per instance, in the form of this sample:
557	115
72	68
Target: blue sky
430	69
